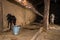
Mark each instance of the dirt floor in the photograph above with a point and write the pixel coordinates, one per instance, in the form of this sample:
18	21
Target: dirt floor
26	34
52	34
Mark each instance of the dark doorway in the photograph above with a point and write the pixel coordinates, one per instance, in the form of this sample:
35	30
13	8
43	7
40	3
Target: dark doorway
57	21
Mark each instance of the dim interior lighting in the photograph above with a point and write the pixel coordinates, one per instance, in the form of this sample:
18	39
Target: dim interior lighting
19	0
28	7
24	3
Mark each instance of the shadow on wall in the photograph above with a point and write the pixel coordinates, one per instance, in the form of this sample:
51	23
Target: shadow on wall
11	20
38	19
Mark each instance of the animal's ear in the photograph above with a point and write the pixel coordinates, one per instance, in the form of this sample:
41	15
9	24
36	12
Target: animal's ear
7	15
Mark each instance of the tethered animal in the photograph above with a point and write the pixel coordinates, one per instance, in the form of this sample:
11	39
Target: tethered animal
11	20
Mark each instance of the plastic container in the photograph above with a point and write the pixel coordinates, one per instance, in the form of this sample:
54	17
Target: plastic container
16	30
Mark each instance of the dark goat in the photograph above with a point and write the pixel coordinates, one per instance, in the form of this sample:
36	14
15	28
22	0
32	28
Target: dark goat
11	20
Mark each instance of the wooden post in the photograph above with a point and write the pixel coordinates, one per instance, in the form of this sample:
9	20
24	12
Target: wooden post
45	20
1	17
46	14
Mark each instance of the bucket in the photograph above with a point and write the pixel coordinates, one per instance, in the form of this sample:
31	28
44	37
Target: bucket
16	30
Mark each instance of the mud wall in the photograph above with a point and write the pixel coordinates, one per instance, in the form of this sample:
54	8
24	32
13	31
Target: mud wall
1	17
23	16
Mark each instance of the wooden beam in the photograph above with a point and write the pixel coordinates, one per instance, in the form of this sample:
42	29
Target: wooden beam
1	16
36	12
37	34
28	5
46	14
45	20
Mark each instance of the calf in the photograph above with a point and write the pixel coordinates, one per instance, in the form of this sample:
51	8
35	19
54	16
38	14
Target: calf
11	20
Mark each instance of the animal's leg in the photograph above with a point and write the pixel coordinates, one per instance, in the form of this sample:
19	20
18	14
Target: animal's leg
10	26
14	22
